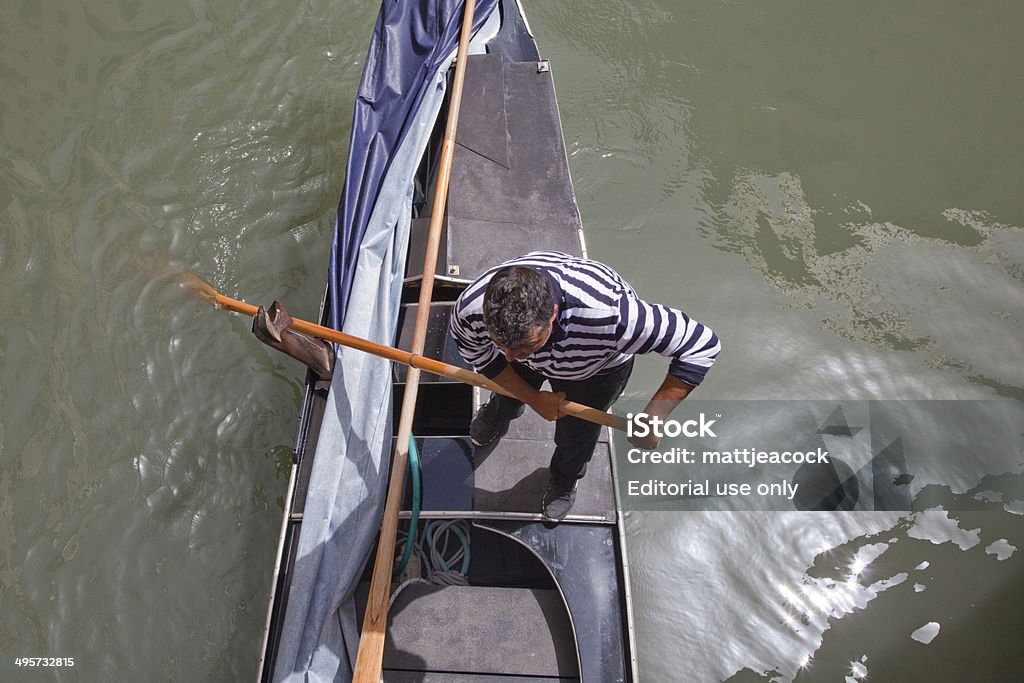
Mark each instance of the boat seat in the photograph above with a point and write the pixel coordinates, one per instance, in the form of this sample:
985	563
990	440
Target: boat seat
510	191
521	633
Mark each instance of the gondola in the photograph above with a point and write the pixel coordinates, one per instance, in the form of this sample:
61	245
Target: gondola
491	590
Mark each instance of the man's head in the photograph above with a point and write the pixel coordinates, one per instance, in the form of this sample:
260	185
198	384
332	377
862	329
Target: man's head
519	311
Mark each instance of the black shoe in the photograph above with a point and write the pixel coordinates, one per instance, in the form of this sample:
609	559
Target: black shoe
487	426
558	500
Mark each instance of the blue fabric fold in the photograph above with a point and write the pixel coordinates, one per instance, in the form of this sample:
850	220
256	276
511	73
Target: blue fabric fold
400	95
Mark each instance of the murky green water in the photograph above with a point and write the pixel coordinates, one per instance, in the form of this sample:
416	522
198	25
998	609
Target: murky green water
833	187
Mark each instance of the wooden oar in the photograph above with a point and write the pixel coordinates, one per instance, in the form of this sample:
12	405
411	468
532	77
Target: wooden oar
207	293
375	619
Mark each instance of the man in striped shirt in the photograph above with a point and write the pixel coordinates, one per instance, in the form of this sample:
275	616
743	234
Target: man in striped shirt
577	324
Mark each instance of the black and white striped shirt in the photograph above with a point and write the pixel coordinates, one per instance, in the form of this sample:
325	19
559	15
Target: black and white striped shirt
601	324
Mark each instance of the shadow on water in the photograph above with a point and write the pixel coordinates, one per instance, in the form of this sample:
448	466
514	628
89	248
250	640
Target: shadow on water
978	592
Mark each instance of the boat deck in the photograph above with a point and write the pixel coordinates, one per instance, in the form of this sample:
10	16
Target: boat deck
536	586
526	571
507	479
495	636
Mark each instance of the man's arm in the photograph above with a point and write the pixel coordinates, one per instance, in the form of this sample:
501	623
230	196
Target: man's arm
670	394
654	328
692	346
545	403
470	334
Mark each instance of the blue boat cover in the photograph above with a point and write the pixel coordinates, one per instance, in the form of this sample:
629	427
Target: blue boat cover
411	41
400	95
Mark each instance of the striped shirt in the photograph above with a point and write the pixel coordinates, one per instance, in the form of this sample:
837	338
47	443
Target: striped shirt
601	324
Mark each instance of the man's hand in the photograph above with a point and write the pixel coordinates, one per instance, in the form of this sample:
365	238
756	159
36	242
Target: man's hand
671	392
645	443
546	404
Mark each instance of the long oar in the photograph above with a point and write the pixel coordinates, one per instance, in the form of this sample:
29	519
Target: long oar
207	292
371	638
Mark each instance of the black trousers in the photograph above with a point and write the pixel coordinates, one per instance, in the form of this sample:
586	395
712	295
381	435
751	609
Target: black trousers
575	439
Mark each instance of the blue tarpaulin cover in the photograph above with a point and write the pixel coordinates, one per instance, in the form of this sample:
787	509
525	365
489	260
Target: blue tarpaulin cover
412	40
400	94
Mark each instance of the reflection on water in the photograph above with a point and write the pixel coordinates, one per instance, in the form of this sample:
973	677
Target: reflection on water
884	289
803	596
807	595
864	211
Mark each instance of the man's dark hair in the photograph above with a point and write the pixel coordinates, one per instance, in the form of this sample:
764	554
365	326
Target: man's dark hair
516	300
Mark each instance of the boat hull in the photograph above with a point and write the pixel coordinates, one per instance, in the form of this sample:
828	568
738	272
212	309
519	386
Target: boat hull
541	600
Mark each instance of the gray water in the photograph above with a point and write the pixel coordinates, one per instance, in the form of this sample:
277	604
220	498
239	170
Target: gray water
833	187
